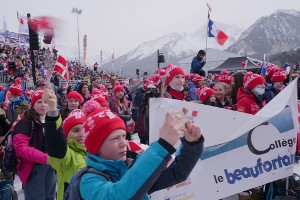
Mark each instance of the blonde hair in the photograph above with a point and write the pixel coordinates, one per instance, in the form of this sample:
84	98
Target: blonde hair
225	85
226	88
121	102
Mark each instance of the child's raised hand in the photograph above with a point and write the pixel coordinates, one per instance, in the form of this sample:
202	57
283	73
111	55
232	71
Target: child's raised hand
192	132
169	131
50	98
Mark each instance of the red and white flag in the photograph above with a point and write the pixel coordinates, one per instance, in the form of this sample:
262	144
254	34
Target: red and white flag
245	64
23	25
62	68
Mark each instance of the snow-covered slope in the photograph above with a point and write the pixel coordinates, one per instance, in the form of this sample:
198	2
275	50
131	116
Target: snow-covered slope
174	46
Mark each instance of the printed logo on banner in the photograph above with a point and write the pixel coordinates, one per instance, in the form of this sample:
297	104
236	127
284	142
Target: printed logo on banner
195	113
289	143
182	184
283	122
262	166
184	196
272	130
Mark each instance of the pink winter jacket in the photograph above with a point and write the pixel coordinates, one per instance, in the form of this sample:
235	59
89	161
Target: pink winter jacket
28	156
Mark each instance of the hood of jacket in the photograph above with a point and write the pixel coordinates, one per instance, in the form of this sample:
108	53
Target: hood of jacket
75	146
114	168
241	94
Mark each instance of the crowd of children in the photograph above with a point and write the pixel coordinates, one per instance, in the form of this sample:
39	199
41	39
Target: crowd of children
59	131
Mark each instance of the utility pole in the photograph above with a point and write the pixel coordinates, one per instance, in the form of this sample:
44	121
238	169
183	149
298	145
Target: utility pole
160	58
77	11
33	43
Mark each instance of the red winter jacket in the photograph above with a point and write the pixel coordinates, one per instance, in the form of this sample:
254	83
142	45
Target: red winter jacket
246	102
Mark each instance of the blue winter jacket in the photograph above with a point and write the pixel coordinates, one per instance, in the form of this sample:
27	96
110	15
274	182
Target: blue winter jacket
270	94
193	91
12	108
197	65
148	174
2	96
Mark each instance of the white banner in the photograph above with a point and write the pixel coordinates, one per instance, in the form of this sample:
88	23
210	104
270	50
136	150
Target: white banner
241	151
23	38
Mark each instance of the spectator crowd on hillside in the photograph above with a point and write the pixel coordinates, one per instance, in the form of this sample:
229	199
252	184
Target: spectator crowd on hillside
62	130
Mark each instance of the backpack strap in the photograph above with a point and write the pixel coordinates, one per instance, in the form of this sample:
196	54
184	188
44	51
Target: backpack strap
270	191
32	132
73	191
5	138
94	171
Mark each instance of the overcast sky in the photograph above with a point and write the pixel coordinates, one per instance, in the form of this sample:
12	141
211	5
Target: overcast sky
121	25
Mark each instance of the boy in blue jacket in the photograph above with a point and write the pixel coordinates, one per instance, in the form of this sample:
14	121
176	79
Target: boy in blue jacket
107	149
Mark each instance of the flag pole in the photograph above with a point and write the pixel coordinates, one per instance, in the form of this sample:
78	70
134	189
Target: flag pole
100	63
264	65
208	16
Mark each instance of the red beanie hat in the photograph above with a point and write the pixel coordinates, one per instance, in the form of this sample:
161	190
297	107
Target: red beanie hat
90	106
271	69
156	78
172	71
100	86
98	126
161	72
104	93
196	78
74	118
204	92
118	88
28	93
16	88
100	99
36	95
225	77
147	83
96	91
278	76
187	77
217	76
252	80
75	95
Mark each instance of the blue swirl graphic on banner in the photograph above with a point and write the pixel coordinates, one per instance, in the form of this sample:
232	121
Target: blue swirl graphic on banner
283	122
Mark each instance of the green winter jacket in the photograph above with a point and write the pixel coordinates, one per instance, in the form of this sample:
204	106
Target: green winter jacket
65	157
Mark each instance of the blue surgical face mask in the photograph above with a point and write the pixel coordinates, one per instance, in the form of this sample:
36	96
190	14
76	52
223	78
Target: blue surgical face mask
14	99
258	91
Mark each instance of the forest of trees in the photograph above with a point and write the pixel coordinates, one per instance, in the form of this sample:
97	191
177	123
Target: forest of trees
291	57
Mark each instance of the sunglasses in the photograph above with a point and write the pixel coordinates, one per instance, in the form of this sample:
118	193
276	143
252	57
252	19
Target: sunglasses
109	88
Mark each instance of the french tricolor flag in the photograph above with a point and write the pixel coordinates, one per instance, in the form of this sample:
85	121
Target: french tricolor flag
214	31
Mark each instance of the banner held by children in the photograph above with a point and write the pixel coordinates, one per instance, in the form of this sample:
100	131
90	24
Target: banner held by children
241	152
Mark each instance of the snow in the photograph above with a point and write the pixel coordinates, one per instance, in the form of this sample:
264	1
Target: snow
177	44
148	48
289	12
